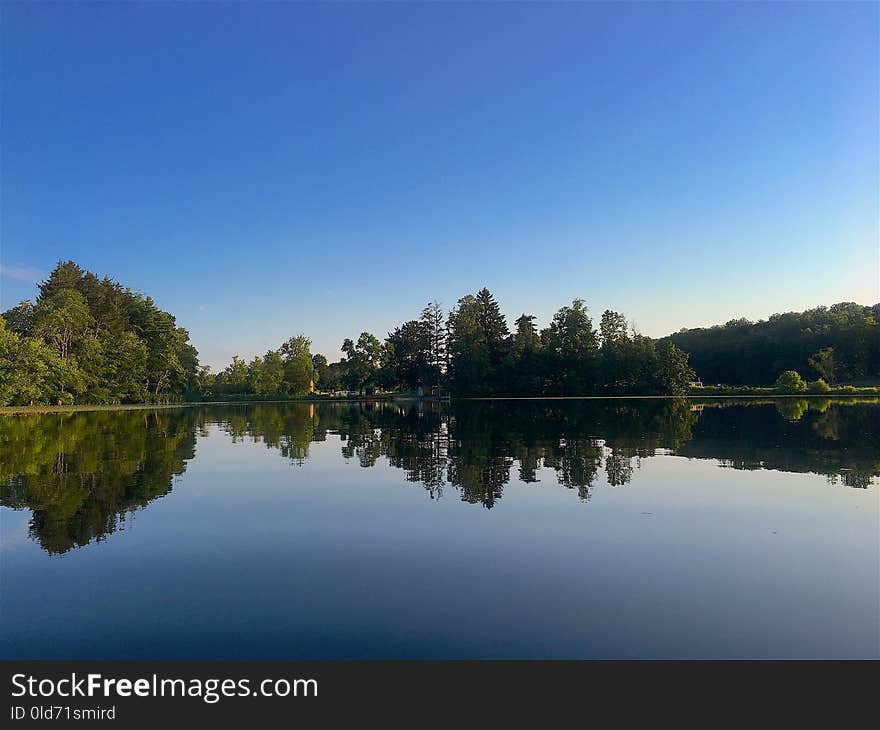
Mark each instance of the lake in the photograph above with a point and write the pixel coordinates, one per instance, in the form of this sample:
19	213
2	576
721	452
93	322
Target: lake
477	529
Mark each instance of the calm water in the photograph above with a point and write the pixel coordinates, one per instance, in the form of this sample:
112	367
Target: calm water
538	529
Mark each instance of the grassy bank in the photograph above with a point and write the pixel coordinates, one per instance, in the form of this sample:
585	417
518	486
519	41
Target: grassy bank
712	393
743	390
233	401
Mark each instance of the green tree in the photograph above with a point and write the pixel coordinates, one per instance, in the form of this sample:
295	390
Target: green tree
823	363
434	329
126	368
523	372
298	366
790	382
116	345
673	371
171	362
571	347
410	350
63	320
526	335
363	360
754	353
20	319
494	327
612	328
326	375
235	376
319	369
205	381
468	351
273	372
255	376
32	372
66	275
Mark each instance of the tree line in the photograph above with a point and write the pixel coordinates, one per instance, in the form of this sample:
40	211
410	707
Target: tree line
89	340
472	352
837	344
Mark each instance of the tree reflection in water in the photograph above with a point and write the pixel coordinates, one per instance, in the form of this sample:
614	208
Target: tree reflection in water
82	475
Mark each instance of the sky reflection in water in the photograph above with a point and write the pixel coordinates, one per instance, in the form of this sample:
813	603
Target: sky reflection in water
486	529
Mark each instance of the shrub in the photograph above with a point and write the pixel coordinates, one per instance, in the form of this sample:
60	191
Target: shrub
818	386
790	382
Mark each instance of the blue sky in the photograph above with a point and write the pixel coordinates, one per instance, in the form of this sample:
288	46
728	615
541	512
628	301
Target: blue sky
268	169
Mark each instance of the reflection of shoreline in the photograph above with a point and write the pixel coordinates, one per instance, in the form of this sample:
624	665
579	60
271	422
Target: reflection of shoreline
751	399
82	474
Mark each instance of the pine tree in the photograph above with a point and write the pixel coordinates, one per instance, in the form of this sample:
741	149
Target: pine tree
435	331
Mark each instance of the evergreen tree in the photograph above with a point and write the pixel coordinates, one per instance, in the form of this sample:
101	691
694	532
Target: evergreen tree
434	327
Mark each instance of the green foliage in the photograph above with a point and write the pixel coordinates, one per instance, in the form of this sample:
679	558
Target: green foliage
433	327
58	466
204	385
526	336
469	362
298	366
236	374
126	367
20	319
288	371
328	376
319	368
841	342
272	372
494	327
368	363
790	382
88	340
612	328
63	320
673	372
110	345
823	363
792	409
410	350
572	351
31	371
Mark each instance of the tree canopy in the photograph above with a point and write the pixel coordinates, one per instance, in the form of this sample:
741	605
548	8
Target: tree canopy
88	340
836	343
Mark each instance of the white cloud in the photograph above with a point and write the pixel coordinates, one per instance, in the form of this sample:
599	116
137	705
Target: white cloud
30	274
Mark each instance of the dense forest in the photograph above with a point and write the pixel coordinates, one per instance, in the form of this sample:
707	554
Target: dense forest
89	340
840	343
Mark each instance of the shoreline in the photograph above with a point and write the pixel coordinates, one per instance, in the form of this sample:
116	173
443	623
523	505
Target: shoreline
34	410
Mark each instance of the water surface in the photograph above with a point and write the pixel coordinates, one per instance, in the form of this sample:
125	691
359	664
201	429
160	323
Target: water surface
530	529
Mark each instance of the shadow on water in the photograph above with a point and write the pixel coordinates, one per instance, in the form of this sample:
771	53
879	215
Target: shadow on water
83	474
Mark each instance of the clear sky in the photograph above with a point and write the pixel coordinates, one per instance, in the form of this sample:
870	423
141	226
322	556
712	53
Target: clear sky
268	169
